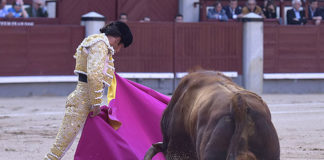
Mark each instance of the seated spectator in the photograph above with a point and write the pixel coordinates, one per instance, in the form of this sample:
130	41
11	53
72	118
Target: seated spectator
123	17
269	9
146	19
252	7
17	10
296	15
314	13
178	18
37	10
3	11
233	10
217	13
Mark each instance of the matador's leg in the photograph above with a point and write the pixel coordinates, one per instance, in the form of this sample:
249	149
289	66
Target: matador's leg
76	113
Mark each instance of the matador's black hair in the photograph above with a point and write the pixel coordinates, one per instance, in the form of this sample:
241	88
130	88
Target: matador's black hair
119	29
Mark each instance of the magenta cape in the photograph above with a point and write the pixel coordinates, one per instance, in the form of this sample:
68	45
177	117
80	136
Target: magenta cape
139	109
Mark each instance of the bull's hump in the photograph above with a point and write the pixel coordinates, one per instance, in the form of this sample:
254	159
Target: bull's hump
230	88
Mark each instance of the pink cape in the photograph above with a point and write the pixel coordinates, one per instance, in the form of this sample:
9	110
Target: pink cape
139	109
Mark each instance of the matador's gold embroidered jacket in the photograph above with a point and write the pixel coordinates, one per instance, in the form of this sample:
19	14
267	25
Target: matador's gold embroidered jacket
94	59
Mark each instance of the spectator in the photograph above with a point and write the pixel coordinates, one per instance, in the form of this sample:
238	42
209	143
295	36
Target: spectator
123	17
217	13
37	10
296	16
178	18
3	11
146	19
233	10
314	13
252	7
17	10
269	9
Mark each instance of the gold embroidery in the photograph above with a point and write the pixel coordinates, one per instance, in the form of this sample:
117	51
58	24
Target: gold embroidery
77	110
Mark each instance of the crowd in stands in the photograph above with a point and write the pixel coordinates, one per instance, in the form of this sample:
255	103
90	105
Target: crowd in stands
124	18
268	10
233	11
295	16
18	10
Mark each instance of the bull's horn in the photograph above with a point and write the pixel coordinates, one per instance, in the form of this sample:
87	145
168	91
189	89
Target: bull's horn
153	150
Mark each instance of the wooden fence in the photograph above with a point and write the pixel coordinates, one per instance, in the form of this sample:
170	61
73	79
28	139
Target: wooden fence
38	50
293	49
163	47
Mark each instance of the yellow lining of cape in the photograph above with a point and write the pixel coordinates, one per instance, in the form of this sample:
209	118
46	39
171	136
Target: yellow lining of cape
112	90
115	124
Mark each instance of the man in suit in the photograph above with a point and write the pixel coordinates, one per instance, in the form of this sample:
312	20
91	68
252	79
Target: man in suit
314	13
38	9
233	10
296	16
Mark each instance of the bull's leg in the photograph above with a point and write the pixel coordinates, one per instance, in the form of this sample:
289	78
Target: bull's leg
154	149
215	144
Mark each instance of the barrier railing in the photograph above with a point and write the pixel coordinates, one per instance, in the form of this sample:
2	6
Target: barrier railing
163	47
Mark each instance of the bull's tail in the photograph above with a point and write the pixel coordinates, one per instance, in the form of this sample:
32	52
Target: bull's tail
238	148
153	150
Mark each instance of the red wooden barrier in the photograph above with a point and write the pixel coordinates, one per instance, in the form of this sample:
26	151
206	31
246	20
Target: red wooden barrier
70	11
291	49
163	47
151	51
216	46
38	50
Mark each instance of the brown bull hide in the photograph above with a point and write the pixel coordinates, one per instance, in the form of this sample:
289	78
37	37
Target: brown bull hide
211	118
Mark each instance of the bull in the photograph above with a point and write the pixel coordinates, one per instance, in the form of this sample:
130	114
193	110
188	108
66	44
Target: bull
211	118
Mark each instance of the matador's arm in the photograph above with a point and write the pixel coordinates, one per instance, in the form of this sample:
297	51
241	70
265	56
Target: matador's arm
95	67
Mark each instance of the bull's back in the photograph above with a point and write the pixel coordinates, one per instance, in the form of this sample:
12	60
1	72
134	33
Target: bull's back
198	94
201	103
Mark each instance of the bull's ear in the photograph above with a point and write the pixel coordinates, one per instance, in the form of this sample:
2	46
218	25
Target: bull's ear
196	68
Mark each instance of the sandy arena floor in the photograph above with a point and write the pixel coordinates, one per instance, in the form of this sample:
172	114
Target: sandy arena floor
28	126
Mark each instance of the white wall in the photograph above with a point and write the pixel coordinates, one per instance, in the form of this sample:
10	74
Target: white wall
189	12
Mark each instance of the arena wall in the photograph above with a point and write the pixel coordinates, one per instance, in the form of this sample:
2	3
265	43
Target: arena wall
168	48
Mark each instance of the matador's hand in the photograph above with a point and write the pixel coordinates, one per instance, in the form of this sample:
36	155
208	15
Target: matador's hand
94	111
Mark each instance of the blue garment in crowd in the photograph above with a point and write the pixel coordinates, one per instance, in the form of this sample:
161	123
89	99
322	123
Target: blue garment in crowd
213	14
3	12
14	13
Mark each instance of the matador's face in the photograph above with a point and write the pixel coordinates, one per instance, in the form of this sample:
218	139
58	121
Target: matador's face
115	42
